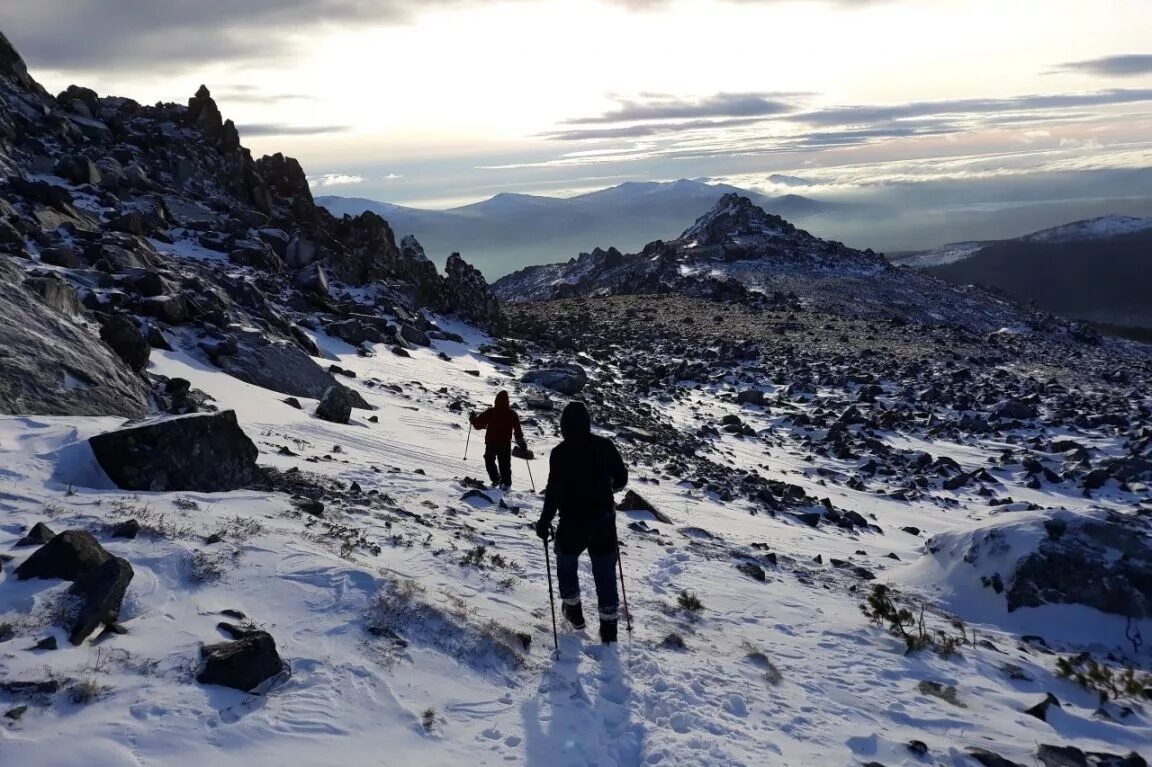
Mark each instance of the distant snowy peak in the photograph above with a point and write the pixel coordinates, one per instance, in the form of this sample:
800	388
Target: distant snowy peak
1101	228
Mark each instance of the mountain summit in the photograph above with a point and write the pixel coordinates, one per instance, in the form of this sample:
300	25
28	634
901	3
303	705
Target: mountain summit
739	251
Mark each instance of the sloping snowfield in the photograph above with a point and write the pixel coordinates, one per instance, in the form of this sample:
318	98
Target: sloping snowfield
401	653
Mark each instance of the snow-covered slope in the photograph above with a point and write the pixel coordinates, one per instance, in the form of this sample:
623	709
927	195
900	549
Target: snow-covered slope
1094	229
415	623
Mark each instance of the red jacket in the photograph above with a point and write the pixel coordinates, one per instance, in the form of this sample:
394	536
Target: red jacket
500	421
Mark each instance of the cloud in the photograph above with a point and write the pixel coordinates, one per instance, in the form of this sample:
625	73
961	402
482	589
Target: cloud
652	129
251	94
665	107
167	35
868	115
335	179
1127	65
279	129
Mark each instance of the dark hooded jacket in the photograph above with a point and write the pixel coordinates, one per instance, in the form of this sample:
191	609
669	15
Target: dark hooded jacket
584	471
500	421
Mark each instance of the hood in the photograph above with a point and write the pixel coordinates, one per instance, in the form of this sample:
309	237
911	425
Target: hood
502	400
575	421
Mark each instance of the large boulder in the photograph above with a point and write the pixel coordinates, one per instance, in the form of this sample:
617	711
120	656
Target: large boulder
567	379
103	592
204	452
126	339
335	405
243	664
52	366
70	556
281	366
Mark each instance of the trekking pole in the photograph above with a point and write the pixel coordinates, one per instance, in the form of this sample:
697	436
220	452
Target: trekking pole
624	591
529	465
552	600
468	441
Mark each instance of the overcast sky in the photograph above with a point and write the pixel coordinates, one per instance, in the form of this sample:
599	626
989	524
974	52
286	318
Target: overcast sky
440	102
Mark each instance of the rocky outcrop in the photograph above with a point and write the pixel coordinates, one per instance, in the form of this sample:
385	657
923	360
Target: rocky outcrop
1100	560
50	365
207	453
467	294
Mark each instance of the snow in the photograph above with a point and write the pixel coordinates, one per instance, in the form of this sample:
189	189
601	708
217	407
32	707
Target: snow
1101	228
847	691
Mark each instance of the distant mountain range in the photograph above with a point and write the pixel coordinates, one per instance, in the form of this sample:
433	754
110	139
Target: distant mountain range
509	231
1098	269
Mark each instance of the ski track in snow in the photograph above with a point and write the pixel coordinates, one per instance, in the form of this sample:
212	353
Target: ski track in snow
847	693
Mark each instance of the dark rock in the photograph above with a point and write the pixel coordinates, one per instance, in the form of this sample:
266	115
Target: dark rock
39	535
750	397
1040	710
479	495
991	759
918	748
256	255
157	340
202	452
1100	560
46	645
335	405
174	310
567	378
125	338
633	501
312	281
414	336
103	592
127	529
1015	410
752	570
1061	756
293	402
70	556
17	713
310	506
243	664
400	351
280	366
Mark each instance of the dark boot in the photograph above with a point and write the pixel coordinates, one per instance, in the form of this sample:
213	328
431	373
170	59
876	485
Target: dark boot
574	614
608	631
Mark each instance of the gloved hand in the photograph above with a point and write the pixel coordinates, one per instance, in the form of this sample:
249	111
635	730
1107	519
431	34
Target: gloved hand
523	444
543	529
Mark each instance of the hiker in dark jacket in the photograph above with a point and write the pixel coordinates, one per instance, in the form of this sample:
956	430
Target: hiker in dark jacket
584	471
500	422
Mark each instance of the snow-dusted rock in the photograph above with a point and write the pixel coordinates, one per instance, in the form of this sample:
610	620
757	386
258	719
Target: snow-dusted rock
202	452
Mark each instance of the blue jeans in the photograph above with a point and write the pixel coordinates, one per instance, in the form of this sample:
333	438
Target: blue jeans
601	546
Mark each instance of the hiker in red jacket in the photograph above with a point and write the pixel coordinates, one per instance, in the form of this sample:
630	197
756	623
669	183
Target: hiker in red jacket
500	421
